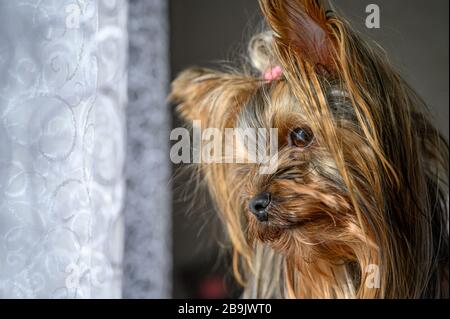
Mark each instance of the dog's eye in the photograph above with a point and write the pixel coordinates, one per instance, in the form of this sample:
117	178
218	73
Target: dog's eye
301	137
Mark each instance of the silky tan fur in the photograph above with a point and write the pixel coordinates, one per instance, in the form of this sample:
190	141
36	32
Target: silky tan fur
372	188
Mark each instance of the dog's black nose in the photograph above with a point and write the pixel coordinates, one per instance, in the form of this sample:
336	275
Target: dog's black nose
258	205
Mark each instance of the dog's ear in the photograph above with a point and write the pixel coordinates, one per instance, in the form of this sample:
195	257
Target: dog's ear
209	96
188	91
303	26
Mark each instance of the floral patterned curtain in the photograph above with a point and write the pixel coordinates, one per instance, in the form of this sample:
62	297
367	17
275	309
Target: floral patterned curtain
62	147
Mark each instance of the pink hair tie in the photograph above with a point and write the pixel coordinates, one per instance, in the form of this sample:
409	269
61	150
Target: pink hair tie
273	73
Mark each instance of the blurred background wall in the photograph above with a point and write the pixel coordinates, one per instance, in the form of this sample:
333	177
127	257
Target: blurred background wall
413	32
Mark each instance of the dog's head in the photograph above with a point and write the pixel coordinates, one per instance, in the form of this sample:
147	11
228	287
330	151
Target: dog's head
359	174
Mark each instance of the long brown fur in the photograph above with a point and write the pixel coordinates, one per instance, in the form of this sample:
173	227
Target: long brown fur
371	190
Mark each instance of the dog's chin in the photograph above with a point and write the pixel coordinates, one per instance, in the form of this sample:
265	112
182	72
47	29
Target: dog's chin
282	239
298	242
297	233
276	229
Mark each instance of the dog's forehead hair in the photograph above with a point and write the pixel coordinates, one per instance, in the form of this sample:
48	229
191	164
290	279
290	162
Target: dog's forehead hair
276	101
268	102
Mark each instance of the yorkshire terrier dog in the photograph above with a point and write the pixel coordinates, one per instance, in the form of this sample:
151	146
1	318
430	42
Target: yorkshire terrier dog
357	206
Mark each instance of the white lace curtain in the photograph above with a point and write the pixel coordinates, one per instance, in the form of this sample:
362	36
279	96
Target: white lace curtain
63	89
